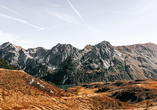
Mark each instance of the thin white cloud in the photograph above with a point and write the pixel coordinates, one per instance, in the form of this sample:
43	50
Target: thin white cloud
90	29
75	10
21	21
96	30
79	16
10	10
5	37
149	6
65	17
144	9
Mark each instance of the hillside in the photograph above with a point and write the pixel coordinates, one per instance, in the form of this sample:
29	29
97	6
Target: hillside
141	59
21	91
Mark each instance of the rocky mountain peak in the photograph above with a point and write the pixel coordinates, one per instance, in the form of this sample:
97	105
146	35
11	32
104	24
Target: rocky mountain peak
10	47
88	48
36	53
59	45
103	50
58	54
100	54
7	45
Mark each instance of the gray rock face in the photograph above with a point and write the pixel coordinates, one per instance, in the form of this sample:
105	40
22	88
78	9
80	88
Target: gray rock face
21	57
58	54
100	53
37	53
11	53
31	59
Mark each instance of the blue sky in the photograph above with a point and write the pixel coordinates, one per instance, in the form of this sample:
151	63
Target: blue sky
34	23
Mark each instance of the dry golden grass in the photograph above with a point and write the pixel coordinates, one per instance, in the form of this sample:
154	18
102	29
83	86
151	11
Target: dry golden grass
142	94
21	91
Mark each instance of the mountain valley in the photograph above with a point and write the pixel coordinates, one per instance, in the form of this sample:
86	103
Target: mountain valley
109	77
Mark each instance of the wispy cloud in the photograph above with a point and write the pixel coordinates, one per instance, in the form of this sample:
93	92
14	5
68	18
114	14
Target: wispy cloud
79	16
63	16
10	10
75	10
148	6
5	37
56	11
90	29
21	21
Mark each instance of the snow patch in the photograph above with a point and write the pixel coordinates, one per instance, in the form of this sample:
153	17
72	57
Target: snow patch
5	45
31	81
48	58
32	50
86	59
51	67
115	70
64	79
24	68
27	54
15	59
106	64
119	54
95	65
41	60
51	92
42	86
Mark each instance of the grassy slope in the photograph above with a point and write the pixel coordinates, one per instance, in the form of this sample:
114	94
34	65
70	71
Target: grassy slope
19	90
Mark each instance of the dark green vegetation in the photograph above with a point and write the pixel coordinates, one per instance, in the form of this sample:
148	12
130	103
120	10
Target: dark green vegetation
6	65
65	87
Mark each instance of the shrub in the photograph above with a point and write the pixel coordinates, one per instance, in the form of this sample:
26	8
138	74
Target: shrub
119	104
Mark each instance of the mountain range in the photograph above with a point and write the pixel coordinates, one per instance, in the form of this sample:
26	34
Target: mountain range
66	64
